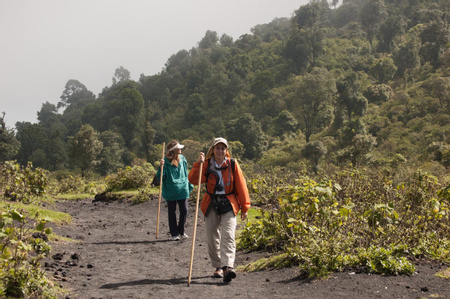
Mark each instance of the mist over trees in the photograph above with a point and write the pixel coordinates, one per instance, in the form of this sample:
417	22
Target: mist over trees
361	83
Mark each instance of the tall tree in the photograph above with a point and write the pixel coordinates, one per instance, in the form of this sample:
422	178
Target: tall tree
373	13
297	49
435	37
56	152
226	40
248	131
440	88
263	82
31	138
307	16
56	136
306	42
96	114
314	151
149	133
48	115
210	40
110	157
74	99
345	14
9	145
121	74
313	101
179	63
195	110
392	27
383	69
350	98
358	151
75	93
199	73
84	148
407	55
285	122
126	113
278	28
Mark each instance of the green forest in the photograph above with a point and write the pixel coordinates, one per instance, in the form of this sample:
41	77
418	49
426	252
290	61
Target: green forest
363	83
339	116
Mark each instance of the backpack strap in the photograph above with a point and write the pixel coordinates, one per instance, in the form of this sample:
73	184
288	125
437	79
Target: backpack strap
233	166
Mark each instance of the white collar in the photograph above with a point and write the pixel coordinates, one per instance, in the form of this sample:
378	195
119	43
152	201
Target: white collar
224	160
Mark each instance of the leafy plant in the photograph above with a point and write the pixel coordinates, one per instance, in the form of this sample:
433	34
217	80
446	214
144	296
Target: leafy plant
24	183
131	177
23	246
143	195
68	182
381	214
357	219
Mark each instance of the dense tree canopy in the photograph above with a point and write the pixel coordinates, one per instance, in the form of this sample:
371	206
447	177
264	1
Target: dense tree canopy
360	81
313	101
85	147
9	146
75	93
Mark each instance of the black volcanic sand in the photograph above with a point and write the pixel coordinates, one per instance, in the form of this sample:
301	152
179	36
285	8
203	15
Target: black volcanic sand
117	255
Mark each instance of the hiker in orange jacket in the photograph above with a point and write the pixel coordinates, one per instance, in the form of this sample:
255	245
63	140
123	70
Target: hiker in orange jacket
226	195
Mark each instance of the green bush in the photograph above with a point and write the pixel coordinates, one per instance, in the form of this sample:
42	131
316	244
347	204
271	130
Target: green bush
67	182
355	219
24	245
24	183
143	195
134	177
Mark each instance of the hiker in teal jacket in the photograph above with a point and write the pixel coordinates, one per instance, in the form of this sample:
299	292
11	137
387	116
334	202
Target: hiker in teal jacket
175	188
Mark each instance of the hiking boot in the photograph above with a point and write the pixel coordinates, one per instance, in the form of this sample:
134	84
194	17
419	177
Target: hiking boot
218	273
228	274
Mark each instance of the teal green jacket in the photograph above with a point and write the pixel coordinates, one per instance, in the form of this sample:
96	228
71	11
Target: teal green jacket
175	184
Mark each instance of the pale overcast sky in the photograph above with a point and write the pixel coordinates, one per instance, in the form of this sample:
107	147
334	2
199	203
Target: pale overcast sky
45	43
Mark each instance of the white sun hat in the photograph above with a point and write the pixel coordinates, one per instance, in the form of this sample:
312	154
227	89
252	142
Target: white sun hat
176	146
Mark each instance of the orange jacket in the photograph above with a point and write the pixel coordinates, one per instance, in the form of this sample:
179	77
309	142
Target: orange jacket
240	199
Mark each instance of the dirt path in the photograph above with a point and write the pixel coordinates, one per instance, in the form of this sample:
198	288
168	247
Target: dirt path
118	256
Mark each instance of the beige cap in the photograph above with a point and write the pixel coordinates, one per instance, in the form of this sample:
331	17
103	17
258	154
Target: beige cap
220	140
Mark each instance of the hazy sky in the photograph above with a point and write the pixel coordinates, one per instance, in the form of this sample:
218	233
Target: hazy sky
45	43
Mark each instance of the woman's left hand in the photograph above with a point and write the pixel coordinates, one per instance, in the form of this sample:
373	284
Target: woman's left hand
243	216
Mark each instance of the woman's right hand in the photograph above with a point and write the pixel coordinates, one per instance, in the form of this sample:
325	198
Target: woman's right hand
201	158
161	162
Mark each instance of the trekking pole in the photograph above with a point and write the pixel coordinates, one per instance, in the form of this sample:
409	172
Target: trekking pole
195	223
160	189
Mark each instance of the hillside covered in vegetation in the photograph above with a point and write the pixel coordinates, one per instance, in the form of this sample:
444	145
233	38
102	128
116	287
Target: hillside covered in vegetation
365	82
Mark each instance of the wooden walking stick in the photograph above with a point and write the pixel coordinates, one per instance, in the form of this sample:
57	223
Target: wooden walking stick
160	189
195	223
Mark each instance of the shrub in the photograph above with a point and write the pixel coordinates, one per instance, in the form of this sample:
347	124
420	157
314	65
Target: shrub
353	219
66	183
131	177
378	93
24	245
143	195
24	183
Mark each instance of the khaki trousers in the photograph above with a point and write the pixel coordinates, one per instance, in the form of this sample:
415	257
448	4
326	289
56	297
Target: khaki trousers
220	233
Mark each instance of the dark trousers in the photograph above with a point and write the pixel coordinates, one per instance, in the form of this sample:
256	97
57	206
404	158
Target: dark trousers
177	228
